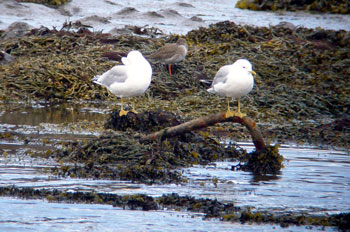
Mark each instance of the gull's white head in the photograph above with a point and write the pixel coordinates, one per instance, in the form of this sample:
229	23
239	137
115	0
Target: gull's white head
244	64
138	66
135	55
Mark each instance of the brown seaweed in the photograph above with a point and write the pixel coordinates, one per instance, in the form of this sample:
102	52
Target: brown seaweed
120	155
302	74
211	208
323	6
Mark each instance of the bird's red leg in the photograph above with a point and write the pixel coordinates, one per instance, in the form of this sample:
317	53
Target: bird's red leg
169	65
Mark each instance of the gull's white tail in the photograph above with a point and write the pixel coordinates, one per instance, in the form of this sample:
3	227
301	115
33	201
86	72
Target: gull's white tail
96	80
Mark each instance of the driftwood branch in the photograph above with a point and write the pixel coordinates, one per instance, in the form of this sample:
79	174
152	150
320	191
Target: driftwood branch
205	122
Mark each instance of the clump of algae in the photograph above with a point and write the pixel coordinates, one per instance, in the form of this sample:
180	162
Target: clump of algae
120	155
324	6
47	2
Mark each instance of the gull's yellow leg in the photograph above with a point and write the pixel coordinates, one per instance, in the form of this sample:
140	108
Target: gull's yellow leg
122	111
238	112
229	113
133	108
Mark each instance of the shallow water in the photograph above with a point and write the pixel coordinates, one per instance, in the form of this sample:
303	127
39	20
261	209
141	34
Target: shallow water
171	16
313	180
37	126
36	215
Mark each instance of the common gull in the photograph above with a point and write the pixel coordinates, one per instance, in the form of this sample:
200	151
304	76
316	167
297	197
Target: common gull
234	81
128	80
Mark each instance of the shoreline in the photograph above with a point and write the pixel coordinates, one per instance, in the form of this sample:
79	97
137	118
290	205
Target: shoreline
169	16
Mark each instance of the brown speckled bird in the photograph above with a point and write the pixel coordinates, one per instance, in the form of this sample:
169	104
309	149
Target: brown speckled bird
170	53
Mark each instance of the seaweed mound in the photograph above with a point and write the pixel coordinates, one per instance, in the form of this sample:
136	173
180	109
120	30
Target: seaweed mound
266	161
324	6
120	155
142	122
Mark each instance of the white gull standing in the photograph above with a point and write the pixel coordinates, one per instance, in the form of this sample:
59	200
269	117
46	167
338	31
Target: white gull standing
234	81
128	80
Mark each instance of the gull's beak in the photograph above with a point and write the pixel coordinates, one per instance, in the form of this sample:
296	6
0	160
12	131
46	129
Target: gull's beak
254	73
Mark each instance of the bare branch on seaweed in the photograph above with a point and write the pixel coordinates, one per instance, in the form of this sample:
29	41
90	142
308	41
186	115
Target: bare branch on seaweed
206	121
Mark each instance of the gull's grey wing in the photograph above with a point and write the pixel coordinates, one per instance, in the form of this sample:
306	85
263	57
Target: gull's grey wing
221	75
116	74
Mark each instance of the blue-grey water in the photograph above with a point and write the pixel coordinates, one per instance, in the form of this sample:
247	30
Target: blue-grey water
35	215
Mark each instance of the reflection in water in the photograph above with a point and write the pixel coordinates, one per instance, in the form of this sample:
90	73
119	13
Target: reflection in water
56	114
35	127
258	178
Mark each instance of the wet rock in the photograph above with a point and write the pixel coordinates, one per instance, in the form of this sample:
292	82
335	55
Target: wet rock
170	13
197	19
153	14
184	4
17	29
287	25
127	11
5	58
95	19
